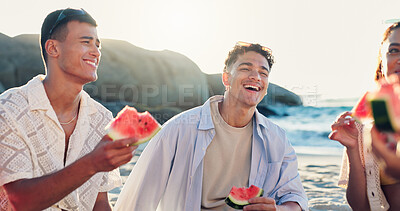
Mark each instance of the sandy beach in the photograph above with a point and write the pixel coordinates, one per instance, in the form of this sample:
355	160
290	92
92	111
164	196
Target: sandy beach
319	174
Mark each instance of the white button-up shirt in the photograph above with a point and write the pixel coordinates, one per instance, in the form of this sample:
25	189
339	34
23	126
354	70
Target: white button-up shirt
32	142
168	174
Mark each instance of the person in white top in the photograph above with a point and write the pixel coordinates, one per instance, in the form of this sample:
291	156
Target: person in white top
368	187
54	152
198	155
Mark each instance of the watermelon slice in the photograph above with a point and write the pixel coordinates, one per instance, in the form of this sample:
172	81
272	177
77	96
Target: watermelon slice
385	104
130	123
361	112
239	197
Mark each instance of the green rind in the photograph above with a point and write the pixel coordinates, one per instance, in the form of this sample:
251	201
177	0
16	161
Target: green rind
114	135
239	205
381	115
233	205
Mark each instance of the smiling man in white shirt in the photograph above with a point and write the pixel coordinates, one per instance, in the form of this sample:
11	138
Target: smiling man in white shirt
194	161
54	154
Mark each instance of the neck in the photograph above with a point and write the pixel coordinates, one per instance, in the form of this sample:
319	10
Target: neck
63	95
234	115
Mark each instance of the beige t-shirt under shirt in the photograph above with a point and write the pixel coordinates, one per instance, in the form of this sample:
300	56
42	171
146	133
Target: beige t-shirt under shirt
227	161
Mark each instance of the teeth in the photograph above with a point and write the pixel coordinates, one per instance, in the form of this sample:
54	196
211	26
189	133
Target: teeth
91	63
252	87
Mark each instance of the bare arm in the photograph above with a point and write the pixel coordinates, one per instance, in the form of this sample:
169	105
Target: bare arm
42	192
345	132
102	203
356	192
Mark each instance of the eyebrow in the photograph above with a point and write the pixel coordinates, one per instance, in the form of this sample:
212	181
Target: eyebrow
251	64
90	38
394	44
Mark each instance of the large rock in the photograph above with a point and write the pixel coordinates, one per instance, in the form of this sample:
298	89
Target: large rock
20	59
152	78
163	82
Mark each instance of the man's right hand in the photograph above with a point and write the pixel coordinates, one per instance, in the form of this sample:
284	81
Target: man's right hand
344	130
109	154
42	192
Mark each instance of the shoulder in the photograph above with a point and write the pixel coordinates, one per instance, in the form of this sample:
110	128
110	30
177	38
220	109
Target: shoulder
97	108
267	124
14	100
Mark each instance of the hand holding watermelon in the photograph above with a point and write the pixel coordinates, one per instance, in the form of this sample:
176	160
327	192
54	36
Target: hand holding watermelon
130	123
239	197
108	154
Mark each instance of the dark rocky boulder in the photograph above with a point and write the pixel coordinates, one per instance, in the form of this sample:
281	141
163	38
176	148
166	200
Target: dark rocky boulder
163	82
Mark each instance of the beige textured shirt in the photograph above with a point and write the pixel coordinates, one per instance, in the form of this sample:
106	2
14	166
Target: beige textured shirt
226	163
32	142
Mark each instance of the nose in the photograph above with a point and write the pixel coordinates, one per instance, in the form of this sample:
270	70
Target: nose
255	75
95	51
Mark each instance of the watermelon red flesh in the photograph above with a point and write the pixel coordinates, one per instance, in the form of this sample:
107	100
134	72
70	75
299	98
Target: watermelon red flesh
239	197
385	104
362	111
130	123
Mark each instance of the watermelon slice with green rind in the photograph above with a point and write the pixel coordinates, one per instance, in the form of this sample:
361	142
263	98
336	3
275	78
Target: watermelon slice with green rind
385	104
130	123
239	197
362	111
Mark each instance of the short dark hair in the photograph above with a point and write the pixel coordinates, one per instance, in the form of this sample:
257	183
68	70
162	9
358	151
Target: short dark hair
388	32
240	50
54	27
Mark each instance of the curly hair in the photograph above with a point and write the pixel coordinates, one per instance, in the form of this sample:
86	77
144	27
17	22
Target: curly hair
240	50
388	32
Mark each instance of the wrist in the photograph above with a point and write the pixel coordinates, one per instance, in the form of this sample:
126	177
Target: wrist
87	164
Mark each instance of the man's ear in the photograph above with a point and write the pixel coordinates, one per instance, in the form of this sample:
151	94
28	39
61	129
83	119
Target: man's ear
225	79
52	48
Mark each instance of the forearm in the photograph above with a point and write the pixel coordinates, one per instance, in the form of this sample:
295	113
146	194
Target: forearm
102	203
289	206
42	192
356	193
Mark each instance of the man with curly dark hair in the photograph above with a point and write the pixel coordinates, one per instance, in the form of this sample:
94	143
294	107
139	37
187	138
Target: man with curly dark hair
194	161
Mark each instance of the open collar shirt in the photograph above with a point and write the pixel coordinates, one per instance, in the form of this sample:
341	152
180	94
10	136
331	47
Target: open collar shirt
168	174
32	142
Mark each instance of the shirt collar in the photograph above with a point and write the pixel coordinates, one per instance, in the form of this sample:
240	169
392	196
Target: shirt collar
206	122
38	99
260	119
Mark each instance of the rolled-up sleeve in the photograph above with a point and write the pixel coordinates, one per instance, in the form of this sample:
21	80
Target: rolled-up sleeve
289	187
147	181
282	181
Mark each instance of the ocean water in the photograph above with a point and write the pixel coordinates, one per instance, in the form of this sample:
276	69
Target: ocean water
308	127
